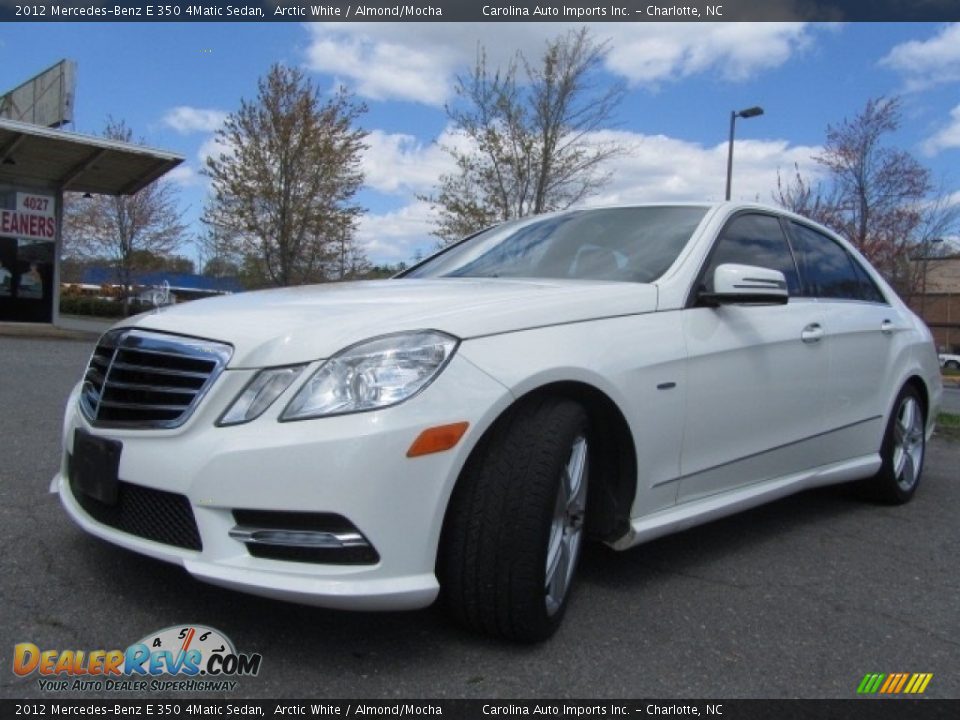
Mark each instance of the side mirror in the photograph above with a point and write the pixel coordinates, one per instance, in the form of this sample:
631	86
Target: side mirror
739	284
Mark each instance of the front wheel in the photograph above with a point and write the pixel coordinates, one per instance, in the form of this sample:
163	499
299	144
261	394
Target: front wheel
903	449
515	527
951	365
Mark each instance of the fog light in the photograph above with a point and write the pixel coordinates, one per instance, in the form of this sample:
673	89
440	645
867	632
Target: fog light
299	538
302	537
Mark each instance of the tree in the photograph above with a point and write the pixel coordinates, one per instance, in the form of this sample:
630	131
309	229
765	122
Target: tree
220	268
283	187
879	197
801	196
218	253
384	270
147	261
527	145
348	261
126	231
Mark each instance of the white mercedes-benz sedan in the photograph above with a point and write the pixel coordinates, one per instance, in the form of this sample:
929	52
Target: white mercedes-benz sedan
461	430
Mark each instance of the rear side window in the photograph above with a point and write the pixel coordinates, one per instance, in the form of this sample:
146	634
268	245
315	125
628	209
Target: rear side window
868	288
755	240
828	269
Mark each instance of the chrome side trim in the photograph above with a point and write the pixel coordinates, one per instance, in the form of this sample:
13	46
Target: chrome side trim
768	451
706	509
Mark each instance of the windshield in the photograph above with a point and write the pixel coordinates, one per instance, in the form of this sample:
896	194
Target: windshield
625	244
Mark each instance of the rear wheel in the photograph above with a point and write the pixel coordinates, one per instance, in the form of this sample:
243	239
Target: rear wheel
952	365
515	527
903	450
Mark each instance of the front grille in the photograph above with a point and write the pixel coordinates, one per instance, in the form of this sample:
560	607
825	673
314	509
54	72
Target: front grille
157	515
141	379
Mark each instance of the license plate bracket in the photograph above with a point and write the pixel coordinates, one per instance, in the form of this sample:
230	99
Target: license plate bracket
95	466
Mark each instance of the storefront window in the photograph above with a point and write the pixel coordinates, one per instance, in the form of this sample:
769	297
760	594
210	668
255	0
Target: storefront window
27	256
26	280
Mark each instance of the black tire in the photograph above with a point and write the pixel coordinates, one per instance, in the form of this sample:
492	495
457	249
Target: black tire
492	563
951	365
903	450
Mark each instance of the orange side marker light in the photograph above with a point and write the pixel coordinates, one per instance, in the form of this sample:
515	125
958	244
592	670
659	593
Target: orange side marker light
437	439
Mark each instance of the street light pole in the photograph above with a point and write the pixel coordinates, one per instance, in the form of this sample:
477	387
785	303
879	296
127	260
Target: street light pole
748	113
733	122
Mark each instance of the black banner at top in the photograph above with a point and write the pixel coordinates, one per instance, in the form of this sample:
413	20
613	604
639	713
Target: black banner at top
478	10
548	709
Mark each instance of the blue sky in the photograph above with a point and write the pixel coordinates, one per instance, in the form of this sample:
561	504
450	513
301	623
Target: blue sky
173	83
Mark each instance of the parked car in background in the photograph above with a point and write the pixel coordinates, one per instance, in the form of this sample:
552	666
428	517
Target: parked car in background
461	430
949	362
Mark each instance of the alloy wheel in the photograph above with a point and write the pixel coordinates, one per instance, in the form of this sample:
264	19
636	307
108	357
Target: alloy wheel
908	443
566	529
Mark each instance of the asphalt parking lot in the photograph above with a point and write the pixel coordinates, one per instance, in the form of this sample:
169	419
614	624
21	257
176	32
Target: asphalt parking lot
800	598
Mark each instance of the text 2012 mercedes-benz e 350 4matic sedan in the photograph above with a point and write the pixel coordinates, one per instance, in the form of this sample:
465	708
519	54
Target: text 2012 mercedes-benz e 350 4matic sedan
614	373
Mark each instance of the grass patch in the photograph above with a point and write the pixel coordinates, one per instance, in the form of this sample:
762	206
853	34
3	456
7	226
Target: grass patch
948	420
948	426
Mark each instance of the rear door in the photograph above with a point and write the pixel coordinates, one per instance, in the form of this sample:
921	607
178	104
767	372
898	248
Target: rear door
861	332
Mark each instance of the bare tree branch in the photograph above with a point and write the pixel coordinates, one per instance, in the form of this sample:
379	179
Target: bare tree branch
529	142
879	197
125	230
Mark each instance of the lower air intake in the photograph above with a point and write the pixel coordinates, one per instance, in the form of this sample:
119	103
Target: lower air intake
163	517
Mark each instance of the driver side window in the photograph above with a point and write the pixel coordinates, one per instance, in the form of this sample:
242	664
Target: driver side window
754	239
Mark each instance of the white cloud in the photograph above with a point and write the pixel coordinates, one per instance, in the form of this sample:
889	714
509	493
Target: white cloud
213	147
668	51
189	175
659	168
383	67
183	175
398	163
185	119
397	235
418	61
947	137
925	63
653	168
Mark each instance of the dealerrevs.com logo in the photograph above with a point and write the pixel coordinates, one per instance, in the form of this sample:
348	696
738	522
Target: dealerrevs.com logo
201	658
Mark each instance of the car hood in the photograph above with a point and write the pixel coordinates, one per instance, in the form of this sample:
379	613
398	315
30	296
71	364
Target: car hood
301	324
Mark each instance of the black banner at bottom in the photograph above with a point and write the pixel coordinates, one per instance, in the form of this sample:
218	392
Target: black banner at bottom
872	708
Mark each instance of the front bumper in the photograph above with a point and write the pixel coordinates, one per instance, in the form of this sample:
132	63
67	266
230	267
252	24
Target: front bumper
352	465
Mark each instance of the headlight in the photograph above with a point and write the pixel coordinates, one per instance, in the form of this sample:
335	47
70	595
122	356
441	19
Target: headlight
259	394
373	374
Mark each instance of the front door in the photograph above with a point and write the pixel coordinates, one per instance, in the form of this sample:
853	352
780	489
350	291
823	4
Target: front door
756	373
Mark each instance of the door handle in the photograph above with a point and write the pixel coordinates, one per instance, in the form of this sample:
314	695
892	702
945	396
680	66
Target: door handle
812	333
887	327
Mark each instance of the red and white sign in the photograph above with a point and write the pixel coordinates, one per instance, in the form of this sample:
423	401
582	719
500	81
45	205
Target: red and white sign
33	218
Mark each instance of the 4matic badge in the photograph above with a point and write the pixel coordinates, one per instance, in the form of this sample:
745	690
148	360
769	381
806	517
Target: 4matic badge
203	655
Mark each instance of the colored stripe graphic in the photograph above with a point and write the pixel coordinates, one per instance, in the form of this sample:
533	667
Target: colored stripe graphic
894	683
870	683
903	681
